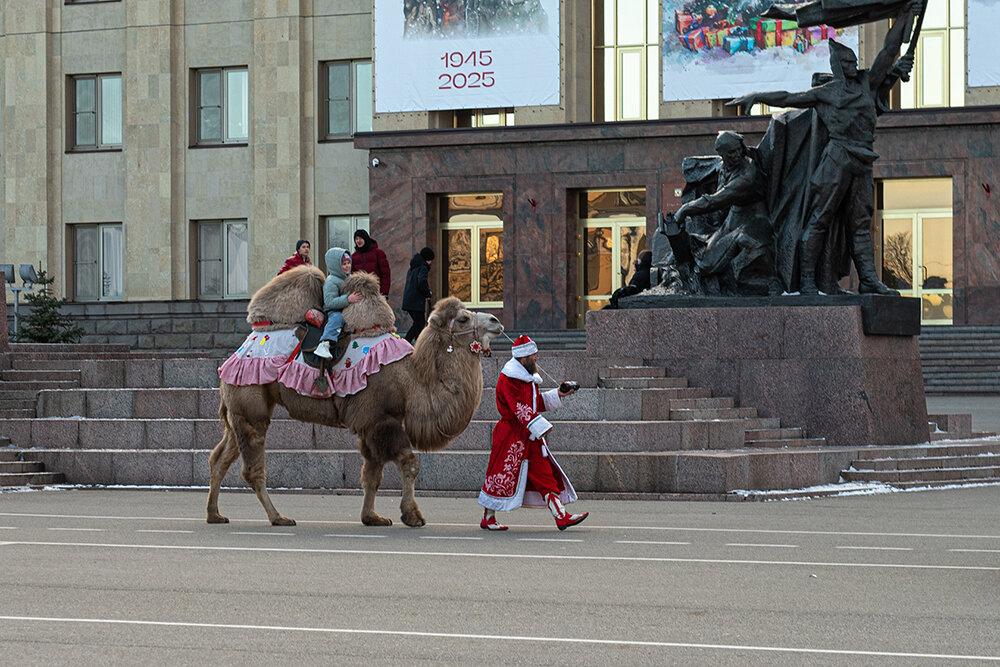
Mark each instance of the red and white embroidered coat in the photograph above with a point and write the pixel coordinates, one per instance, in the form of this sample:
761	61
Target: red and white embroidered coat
521	427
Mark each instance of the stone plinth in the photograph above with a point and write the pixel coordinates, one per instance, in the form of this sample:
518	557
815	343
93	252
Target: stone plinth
807	361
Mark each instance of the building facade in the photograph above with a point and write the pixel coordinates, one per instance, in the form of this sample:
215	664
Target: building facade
174	150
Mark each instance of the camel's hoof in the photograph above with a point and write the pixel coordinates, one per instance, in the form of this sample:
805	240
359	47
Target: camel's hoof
413	519
283	521
376	520
217	518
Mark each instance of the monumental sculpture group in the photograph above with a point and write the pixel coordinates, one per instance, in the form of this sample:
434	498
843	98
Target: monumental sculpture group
792	213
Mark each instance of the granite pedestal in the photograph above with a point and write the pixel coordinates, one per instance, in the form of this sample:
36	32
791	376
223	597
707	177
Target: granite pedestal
845	367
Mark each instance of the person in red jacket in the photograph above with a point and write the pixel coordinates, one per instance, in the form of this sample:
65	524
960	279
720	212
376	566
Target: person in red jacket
300	257
369	257
522	469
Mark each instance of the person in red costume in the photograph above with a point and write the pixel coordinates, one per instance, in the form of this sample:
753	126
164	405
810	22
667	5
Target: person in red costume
298	258
522	470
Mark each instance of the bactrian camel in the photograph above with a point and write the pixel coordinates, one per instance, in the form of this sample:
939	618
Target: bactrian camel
420	402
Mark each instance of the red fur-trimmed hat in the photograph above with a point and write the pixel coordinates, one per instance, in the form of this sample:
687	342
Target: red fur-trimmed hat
523	347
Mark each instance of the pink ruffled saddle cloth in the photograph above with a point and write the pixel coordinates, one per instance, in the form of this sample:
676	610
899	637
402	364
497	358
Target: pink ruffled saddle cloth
276	356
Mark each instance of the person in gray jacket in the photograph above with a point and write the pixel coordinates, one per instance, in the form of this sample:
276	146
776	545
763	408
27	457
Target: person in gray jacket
338	266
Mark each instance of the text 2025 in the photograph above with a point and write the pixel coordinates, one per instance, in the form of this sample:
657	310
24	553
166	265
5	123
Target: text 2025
474	79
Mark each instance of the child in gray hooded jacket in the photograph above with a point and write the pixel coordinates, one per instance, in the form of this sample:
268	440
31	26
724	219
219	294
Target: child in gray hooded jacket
338	265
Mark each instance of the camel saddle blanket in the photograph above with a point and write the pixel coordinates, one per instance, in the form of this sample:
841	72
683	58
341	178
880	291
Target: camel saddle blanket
276	356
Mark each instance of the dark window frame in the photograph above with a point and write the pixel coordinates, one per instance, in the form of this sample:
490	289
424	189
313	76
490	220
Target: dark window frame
326	99
73	113
197	107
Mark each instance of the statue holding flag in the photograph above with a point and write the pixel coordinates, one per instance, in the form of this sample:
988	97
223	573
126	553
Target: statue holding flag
817	158
840	190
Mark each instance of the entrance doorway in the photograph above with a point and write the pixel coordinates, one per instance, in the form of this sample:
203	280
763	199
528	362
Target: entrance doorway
612	233
916	223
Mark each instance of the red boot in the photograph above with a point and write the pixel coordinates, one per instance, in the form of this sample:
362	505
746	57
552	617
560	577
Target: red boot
563	518
490	522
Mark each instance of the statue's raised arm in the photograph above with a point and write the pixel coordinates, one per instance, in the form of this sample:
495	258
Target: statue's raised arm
899	31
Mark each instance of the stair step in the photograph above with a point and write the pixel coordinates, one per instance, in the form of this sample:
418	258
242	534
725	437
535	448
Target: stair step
633	371
31	478
16	413
927	474
920	451
686	414
643	383
203	434
927	462
45	364
775	433
39	384
787	442
39	375
55	349
21	466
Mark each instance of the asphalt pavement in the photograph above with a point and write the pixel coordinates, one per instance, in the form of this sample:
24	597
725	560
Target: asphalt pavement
138	577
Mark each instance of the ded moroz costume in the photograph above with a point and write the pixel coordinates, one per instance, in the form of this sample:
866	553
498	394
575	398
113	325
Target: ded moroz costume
522	469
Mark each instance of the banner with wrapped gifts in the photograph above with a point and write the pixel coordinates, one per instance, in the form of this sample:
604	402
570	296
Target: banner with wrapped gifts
721	49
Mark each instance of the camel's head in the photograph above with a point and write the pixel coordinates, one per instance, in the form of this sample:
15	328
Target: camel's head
284	300
450	317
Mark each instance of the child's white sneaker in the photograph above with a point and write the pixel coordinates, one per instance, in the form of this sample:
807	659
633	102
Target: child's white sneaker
323	350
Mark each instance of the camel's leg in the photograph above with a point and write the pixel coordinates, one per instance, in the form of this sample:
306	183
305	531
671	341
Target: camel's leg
250	438
409	468
371	478
219	462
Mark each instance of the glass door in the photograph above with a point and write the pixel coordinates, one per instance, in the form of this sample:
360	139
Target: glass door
917	259
612	234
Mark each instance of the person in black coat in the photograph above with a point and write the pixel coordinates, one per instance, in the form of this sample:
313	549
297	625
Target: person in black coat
417	291
639	281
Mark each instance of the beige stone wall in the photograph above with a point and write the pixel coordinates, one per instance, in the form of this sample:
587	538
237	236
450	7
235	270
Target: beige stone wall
25	51
343	31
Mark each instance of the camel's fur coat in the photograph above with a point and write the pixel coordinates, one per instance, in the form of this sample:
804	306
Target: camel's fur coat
422	401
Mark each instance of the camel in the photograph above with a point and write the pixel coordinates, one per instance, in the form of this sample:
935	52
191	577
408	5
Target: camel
422	401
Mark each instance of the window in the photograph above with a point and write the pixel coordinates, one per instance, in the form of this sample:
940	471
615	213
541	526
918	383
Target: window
626	59
938	78
222	106
87	2
95	104
613	234
98	257
223	259
484	118
339	231
347	98
915	216
471	228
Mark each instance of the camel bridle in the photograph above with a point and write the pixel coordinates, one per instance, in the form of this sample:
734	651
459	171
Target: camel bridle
475	347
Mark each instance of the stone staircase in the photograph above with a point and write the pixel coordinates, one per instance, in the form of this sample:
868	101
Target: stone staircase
928	466
15	471
137	418
960	359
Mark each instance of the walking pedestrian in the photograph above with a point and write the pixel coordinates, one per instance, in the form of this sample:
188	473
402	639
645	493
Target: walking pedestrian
417	292
522	469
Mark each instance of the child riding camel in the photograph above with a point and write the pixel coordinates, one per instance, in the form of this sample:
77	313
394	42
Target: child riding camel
338	264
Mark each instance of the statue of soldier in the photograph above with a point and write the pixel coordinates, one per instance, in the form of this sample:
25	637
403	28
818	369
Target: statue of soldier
722	240
841	189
